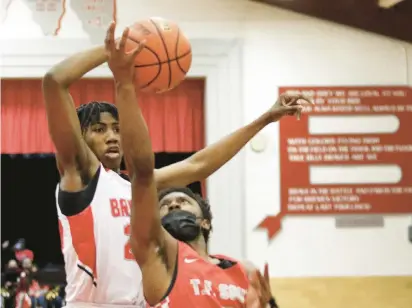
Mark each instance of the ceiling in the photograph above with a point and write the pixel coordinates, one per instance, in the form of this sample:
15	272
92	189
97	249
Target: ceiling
391	18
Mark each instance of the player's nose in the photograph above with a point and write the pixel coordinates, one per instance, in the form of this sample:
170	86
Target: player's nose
174	206
112	137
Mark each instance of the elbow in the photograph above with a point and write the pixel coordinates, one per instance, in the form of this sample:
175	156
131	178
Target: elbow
139	250
53	79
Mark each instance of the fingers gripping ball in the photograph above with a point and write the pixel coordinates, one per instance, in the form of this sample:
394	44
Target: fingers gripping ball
166	58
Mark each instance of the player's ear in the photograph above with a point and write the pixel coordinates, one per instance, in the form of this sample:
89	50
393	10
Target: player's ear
205	224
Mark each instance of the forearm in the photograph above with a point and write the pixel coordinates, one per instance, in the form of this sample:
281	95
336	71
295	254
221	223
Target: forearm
216	155
74	67
134	133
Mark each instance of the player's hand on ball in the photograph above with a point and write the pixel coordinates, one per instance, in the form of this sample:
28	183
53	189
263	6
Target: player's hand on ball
288	105
261	289
120	61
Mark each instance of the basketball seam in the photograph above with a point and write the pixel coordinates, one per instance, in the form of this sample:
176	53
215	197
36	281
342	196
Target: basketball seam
159	65
176	50
167	52
164	62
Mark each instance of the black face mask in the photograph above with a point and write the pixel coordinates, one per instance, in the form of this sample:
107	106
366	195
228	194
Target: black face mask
182	225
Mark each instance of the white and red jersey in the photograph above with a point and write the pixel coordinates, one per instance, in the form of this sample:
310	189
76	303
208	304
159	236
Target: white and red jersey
94	227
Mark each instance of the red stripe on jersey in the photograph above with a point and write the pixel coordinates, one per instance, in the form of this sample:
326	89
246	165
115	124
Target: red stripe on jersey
82	232
61	235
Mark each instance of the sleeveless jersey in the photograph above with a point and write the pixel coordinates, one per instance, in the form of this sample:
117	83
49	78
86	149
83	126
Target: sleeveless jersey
199	283
94	227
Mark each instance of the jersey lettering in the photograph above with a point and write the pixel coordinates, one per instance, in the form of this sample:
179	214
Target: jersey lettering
207	288
120	207
196	286
225	291
231	292
128	254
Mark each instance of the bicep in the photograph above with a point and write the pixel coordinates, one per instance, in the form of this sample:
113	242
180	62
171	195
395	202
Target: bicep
64	126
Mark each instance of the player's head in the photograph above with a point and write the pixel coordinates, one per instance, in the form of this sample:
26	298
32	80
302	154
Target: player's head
185	215
99	122
12	264
27	263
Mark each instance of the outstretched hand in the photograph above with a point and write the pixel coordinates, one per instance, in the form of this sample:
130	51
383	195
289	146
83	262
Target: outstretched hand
259	292
288	105
120	61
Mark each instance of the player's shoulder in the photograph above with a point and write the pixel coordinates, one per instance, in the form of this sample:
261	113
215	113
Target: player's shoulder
225	257
73	203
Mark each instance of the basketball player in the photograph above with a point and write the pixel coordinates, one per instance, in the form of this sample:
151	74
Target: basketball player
93	199
187	217
177	271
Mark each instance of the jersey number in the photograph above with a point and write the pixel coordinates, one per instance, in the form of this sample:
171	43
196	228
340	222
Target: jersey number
128	255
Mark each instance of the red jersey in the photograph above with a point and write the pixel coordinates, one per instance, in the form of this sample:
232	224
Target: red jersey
199	283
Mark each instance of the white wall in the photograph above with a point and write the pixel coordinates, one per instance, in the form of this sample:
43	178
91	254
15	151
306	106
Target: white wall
247	51
308	52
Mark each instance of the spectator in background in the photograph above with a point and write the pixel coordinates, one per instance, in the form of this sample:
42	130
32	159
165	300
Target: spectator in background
11	273
34	290
22	298
10	278
20	288
27	264
12	265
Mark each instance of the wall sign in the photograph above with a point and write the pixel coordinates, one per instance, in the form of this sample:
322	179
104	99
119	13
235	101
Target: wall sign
95	16
350	154
48	14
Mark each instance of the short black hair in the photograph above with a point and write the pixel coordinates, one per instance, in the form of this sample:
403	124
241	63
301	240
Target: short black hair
89	113
203	204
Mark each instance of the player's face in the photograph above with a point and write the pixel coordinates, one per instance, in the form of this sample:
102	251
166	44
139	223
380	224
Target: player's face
179	201
103	138
26	264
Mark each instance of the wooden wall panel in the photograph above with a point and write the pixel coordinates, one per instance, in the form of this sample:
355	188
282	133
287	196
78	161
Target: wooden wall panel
344	292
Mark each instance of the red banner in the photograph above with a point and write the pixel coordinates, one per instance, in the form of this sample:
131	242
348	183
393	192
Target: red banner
349	154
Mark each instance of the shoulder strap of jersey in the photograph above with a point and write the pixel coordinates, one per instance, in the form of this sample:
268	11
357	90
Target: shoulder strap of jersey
73	203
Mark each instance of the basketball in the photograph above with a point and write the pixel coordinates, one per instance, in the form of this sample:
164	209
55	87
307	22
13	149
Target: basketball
166	58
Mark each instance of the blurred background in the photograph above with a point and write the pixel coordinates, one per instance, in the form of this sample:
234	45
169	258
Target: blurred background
326	246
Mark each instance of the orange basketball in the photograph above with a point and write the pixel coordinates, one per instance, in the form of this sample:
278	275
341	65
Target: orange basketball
166	57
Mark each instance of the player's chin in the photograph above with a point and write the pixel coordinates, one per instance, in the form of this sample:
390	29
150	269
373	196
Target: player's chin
112	162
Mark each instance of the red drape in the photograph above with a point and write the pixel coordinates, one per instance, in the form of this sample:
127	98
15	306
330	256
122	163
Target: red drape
175	118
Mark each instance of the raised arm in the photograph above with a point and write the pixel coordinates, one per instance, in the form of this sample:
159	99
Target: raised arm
153	248
208	160
73	155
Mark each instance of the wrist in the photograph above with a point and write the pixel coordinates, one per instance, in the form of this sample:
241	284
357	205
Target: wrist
266	118
125	84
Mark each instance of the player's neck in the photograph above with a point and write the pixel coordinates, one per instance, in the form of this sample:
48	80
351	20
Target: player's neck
200	247
117	170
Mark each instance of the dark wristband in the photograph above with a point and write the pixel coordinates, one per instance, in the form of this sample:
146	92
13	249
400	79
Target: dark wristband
272	303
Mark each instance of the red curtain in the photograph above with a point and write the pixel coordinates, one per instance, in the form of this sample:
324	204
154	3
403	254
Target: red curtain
175	118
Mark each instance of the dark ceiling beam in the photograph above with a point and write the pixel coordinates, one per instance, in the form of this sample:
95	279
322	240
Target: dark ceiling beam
395	22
